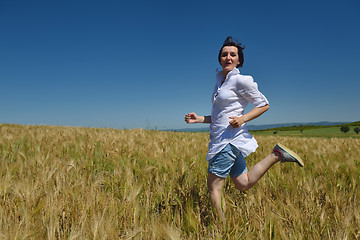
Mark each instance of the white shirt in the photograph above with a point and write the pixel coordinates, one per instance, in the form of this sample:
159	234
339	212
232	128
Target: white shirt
230	99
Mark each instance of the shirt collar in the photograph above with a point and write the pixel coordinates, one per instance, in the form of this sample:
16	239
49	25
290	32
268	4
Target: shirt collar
234	71
219	74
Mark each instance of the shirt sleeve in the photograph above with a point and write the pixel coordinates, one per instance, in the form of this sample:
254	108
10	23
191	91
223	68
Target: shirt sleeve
248	89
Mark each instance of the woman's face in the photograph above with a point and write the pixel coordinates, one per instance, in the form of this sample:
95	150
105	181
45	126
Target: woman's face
229	58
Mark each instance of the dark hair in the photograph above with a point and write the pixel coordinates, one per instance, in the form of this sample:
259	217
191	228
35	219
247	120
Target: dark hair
230	41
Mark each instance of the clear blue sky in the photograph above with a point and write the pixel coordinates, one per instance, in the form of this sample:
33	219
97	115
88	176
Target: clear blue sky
145	64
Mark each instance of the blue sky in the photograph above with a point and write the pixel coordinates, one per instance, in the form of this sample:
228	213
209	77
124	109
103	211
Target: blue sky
145	64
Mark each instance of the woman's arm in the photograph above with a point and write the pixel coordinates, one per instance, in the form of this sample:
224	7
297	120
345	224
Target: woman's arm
236	122
194	118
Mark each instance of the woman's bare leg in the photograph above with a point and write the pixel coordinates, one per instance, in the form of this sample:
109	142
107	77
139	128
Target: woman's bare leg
247	180
215	185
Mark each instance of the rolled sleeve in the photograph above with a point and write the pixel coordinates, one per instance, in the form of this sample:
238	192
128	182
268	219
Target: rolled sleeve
248	89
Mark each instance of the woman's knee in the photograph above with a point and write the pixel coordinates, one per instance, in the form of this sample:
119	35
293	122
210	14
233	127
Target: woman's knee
242	182
242	188
214	194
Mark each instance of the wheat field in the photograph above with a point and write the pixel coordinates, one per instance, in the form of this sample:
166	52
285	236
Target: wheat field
87	183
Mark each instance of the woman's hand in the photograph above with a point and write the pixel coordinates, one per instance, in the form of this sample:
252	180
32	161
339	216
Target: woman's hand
193	118
236	122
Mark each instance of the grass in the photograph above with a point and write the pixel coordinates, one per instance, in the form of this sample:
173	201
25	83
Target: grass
86	183
316	132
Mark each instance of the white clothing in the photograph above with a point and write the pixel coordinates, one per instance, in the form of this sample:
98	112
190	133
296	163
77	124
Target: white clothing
230	99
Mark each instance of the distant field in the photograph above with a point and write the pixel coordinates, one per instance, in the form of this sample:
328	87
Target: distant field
318	132
86	183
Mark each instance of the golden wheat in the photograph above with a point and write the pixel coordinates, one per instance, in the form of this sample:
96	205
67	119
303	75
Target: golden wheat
86	183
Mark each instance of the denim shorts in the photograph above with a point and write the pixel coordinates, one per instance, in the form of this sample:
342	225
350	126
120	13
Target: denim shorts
228	161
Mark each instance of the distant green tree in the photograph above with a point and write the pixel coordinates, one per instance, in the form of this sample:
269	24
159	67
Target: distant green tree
357	130
344	128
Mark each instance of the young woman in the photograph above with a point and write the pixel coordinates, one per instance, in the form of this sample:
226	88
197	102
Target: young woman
230	141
